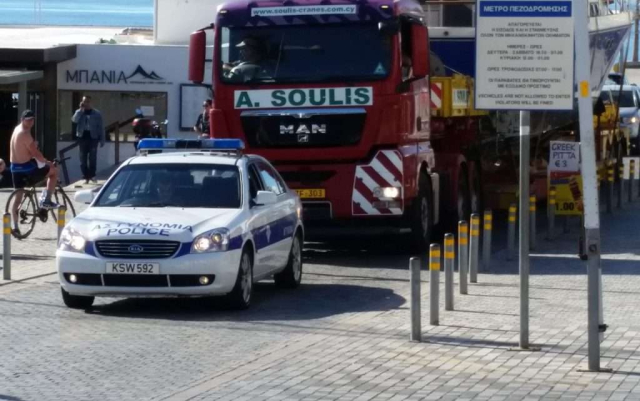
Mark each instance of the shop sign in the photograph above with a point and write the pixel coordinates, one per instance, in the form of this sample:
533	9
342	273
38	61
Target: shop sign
107	77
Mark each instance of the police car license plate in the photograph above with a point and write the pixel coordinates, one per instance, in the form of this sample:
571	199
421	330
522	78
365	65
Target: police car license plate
133	268
310	193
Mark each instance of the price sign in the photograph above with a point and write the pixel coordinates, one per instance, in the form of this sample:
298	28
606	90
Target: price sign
564	176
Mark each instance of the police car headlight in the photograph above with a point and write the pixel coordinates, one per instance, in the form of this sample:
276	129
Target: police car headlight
71	240
212	241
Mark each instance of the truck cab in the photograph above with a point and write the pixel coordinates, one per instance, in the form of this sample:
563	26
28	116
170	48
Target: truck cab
336	95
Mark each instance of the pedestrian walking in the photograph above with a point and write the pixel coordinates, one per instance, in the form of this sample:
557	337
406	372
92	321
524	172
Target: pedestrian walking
202	125
90	133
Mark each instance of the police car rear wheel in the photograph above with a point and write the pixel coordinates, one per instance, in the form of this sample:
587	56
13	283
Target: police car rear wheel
76	301
291	276
240	296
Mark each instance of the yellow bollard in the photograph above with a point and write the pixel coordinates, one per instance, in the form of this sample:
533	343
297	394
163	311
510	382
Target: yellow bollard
532	222
610	183
6	246
434	284
486	240
463	255
511	236
632	169
62	219
620	185
449	261
474	248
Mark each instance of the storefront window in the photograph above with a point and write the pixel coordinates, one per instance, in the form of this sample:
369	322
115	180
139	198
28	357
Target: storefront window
118	110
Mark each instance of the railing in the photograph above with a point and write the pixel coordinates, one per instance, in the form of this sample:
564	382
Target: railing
111	128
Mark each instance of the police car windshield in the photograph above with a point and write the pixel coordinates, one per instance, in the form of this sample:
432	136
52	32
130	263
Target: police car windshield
173	185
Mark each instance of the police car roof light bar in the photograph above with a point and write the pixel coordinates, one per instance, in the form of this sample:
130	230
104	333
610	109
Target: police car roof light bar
233	145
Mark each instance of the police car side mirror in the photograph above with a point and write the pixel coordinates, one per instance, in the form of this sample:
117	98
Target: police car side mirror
85	196
266	198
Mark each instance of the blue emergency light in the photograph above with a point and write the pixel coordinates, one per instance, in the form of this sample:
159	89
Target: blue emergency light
190	144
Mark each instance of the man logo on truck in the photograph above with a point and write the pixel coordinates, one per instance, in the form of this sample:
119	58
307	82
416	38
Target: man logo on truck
303	129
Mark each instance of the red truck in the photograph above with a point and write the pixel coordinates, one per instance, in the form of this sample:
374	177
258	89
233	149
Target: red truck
337	94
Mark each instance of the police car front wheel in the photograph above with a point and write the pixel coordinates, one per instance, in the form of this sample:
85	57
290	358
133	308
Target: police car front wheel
76	301
291	276
240	296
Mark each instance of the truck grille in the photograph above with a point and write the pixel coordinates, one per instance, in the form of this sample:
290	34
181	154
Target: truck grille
137	249
303	128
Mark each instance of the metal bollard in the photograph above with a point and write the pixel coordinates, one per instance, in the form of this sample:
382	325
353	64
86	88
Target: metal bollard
434	284
416	323
632	169
463	255
486	240
609	197
532	222
62	220
6	246
474	248
620	185
551	213
511	236
449	261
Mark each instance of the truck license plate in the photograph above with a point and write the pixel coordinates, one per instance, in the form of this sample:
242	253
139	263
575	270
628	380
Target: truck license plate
133	268
310	193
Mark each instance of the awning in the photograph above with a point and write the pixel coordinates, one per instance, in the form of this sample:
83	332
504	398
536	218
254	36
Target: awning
8	77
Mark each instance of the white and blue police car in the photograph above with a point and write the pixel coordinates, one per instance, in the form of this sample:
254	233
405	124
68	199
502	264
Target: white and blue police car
183	218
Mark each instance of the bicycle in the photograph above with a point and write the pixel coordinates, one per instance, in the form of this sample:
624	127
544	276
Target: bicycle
29	211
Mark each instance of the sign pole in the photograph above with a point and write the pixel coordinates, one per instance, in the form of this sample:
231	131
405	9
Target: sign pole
591	208
525	62
523	260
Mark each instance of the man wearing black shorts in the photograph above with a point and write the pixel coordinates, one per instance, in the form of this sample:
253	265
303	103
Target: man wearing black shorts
28	165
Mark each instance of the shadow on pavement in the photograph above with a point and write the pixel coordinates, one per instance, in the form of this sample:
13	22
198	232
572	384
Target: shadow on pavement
369	252
551	264
310	301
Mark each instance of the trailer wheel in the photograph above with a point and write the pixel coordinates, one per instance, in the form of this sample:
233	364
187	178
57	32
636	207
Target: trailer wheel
463	195
422	216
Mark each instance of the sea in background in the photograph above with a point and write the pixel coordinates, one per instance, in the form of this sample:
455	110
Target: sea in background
124	13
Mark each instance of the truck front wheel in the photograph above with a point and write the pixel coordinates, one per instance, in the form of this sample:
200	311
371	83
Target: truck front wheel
422	216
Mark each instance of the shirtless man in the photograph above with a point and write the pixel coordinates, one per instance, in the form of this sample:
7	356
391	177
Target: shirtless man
26	160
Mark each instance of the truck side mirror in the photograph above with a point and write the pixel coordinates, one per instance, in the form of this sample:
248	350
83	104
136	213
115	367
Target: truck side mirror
419	50
197	49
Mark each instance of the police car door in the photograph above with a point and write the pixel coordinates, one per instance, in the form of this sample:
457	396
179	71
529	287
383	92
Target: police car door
259	226
282	216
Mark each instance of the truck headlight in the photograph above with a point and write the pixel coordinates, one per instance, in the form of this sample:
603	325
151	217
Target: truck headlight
71	240
630	120
386	192
212	241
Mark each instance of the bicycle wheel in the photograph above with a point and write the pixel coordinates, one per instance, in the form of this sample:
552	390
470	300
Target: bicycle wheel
27	213
61	198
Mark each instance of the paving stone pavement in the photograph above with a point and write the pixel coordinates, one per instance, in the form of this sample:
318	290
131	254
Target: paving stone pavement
343	335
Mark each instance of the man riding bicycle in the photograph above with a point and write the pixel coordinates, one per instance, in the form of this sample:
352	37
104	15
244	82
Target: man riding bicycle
29	166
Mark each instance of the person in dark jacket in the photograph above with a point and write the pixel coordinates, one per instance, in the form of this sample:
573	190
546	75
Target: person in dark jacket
90	133
202	125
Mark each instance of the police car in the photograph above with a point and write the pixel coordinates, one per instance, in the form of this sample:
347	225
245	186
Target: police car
202	221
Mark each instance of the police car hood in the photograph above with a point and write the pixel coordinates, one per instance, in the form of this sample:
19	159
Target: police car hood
151	223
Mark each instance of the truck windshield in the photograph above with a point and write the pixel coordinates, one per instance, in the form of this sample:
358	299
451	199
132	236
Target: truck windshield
304	53
173	185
